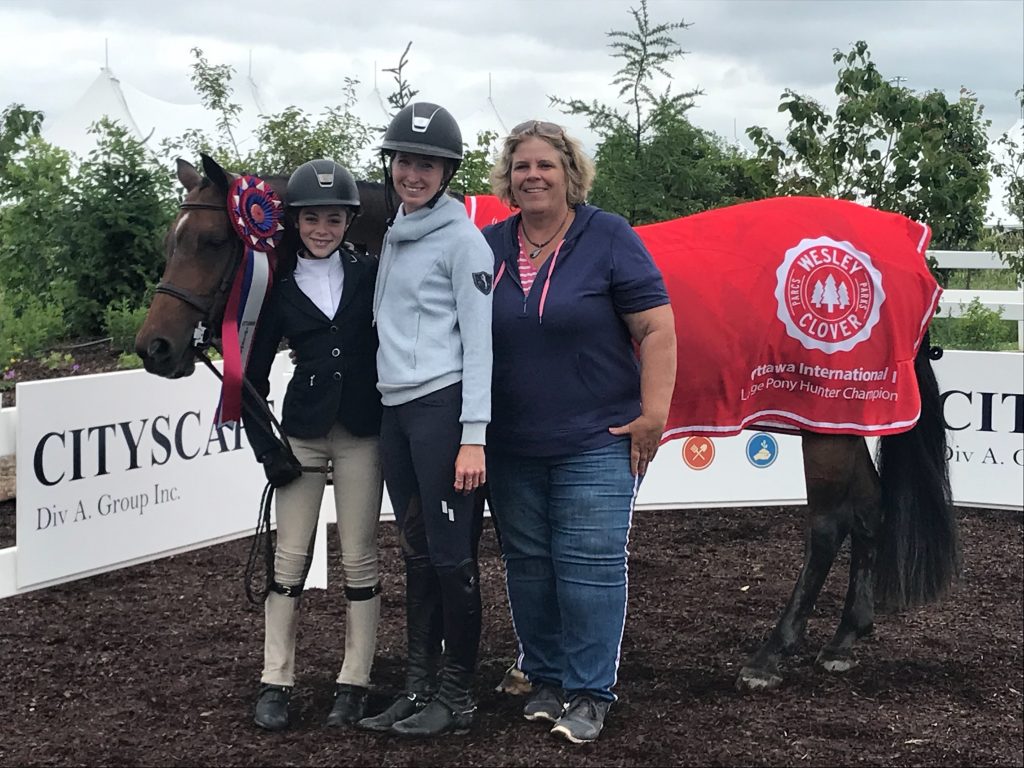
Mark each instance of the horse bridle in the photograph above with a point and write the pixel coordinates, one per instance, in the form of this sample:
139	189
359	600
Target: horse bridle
202	335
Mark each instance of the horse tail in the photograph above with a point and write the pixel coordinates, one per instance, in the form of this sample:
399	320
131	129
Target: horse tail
918	545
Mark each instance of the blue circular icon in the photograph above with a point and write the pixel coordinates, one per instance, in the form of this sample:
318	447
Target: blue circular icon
762	449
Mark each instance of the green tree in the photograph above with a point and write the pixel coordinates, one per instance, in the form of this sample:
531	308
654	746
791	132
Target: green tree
17	126
680	170
473	177
646	51
403	93
35	211
284	140
652	163
886	146
213	84
122	204
1009	241
291	137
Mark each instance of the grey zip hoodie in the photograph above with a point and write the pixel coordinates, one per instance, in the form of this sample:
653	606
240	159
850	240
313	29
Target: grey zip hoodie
432	307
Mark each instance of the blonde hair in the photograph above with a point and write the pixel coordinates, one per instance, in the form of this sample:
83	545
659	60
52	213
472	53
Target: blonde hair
579	169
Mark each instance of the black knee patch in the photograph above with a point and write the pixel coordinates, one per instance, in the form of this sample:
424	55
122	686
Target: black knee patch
357	594
288	591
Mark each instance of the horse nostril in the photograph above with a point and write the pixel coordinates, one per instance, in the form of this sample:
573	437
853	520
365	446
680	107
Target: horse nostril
158	349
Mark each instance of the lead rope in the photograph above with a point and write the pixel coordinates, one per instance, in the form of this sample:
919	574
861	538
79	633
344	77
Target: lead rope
257	586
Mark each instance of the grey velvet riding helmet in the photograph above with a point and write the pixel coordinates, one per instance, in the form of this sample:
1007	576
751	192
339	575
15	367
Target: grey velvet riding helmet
322	182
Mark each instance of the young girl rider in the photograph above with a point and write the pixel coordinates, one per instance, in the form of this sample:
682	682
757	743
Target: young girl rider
322	303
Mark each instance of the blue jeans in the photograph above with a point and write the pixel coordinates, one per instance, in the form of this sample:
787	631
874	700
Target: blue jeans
564	523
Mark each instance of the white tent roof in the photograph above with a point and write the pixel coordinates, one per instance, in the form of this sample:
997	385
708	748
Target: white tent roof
996	212
147	118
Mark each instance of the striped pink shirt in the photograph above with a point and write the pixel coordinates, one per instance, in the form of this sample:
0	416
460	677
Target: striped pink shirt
527	271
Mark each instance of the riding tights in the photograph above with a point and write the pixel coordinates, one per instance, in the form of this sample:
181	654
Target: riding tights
439	530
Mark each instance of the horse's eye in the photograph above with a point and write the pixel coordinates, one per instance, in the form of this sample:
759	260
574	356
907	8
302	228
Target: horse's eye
214	241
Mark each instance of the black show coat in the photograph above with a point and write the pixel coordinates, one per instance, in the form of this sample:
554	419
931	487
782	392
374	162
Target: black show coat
335	358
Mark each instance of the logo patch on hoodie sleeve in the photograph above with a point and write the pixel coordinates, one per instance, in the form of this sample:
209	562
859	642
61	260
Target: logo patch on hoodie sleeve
483	281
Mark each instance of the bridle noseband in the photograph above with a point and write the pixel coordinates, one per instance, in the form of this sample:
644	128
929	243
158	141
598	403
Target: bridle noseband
208	307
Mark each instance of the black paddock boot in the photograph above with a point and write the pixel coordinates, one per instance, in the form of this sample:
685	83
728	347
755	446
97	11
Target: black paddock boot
349	705
439	715
424	626
272	707
401	708
453	708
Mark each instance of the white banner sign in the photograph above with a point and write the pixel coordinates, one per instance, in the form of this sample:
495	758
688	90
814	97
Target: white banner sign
983	403
752	468
122	467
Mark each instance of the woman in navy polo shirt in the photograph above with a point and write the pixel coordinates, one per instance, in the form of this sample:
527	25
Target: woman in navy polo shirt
576	418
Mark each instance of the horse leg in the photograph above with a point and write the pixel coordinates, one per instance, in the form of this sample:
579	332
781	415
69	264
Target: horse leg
859	609
828	463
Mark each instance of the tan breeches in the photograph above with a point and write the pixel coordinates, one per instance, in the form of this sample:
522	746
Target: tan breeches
357	496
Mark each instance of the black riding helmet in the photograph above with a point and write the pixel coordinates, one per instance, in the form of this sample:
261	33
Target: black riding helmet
422	128
322	182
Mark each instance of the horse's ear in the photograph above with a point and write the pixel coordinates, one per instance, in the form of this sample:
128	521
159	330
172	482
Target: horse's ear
188	175
221	178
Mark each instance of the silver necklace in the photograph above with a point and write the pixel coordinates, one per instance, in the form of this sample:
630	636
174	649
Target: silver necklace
538	247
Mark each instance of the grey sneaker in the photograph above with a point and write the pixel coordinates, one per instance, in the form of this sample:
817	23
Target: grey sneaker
582	720
546	702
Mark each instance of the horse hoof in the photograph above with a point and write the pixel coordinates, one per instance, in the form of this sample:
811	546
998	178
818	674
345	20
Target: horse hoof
834	662
757	680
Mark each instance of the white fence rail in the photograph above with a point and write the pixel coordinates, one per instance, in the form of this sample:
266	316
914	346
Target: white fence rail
955	302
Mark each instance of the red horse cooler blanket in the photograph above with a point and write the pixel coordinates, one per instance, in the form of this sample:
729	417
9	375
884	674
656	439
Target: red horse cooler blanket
792	313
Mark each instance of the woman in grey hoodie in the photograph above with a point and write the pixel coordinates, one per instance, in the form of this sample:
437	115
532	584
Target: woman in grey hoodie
432	308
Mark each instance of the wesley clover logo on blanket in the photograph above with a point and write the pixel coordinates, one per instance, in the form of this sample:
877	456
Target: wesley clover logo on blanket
829	294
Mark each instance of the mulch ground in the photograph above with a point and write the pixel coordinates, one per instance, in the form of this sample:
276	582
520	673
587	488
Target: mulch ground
158	664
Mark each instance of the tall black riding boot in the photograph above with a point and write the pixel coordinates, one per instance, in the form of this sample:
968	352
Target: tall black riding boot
424	627
453	708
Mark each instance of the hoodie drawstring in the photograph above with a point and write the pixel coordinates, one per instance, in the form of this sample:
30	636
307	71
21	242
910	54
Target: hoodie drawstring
547	281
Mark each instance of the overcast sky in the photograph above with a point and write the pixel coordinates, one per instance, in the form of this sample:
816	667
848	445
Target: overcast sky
742	53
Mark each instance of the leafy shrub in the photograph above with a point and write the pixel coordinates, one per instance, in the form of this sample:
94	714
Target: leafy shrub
8	350
129	360
29	324
122	322
57	361
979	328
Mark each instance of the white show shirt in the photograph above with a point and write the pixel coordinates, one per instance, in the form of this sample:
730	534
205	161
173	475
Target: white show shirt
322	281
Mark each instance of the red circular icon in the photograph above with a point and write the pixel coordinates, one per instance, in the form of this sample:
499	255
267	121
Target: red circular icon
698	452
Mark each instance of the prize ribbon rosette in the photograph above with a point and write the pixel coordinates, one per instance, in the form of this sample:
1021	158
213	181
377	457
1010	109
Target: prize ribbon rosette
256	213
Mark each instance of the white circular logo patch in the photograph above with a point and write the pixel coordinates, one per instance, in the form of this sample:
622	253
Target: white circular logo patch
829	294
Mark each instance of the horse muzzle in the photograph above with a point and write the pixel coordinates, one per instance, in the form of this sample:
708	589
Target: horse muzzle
161	358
